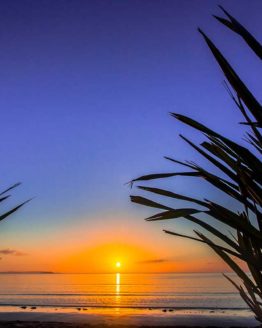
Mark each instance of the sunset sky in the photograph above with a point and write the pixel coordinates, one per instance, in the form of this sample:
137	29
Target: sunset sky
85	92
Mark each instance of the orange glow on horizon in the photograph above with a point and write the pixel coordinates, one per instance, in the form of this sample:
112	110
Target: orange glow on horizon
98	249
107	258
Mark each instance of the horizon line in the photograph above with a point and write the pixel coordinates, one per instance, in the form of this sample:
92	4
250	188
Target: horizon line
55	272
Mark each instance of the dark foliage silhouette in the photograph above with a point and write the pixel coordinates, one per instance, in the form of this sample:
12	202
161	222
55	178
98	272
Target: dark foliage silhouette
4	196
240	178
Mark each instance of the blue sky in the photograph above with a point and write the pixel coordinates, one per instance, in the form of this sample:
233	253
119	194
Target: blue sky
85	92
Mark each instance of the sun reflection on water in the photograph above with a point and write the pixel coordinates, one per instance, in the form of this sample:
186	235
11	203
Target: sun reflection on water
118	288
117	283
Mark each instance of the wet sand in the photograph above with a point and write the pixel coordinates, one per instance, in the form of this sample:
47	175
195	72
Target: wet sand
37	324
45	317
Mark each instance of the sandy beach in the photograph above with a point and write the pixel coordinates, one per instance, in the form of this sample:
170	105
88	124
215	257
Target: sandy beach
122	317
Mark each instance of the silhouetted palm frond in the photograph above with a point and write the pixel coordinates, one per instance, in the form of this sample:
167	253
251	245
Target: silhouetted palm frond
4	196
240	178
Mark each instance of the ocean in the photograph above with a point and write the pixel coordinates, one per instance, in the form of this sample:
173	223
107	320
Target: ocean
121	290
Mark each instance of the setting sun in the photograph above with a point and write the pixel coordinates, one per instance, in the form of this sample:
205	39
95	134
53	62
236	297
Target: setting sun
118	264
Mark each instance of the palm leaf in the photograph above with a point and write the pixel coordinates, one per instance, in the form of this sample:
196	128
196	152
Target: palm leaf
6	214
240	179
235	26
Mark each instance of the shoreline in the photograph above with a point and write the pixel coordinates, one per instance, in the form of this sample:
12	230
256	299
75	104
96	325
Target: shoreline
37	316
169	308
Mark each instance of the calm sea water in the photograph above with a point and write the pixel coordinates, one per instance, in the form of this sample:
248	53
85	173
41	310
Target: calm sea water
198	291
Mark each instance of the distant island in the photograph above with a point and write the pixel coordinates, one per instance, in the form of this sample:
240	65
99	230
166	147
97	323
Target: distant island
27	272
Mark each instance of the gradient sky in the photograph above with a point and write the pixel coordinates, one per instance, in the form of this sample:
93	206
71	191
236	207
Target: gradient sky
85	92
